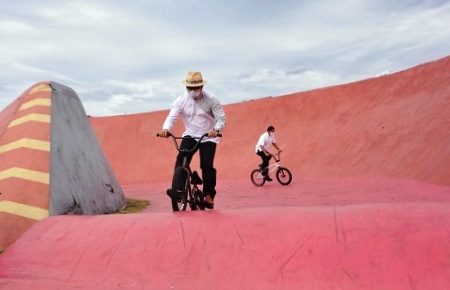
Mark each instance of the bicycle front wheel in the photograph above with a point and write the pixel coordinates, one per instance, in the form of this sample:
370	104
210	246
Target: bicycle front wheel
180	189
257	178
284	176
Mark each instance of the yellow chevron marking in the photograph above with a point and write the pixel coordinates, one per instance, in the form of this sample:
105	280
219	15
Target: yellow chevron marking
23	210
40	88
35	102
27	174
26	143
31	117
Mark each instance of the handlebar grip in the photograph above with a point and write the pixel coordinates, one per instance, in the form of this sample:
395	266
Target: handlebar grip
168	134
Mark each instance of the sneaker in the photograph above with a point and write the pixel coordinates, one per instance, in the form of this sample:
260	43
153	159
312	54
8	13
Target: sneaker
268	178
208	202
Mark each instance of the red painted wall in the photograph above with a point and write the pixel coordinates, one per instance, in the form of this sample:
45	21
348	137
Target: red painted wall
393	126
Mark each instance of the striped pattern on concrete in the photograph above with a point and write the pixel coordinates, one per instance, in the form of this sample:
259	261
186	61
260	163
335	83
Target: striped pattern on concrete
27	174
23	210
26	143
20	134
31	117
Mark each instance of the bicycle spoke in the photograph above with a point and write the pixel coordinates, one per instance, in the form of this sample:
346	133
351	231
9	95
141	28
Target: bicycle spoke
284	176
257	178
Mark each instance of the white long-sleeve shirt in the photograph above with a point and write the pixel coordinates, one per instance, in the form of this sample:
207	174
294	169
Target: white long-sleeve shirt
199	116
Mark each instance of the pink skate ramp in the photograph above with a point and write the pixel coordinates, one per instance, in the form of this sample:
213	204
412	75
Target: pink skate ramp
368	207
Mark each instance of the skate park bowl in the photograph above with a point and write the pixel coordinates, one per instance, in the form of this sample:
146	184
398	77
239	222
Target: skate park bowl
368	207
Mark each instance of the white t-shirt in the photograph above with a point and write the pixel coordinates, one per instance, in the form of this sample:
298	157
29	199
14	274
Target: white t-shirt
265	140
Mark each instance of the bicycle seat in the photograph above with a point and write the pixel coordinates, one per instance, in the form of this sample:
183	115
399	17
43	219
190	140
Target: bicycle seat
196	178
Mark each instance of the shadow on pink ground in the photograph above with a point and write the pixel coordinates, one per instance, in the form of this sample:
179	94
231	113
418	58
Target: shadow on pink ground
368	207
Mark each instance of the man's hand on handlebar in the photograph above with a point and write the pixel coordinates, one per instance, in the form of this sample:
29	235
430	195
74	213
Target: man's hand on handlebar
164	133
213	133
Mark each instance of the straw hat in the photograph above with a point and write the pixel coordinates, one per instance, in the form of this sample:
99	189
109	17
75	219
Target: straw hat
194	79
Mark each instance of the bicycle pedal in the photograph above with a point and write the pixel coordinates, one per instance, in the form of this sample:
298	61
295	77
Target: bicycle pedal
195	179
200	204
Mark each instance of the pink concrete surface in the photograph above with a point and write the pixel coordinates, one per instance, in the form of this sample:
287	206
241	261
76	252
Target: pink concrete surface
368	208
315	234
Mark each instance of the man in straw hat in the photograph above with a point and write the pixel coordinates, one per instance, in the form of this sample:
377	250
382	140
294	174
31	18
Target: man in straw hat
201	113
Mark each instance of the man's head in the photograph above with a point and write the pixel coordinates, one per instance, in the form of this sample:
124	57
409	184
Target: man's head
194	84
271	130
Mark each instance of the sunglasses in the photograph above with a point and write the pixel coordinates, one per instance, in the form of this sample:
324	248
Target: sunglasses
194	88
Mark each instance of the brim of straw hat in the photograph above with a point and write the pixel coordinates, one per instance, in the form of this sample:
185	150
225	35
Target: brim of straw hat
185	83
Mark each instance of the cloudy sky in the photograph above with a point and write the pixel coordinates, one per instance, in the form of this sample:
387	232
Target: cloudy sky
125	57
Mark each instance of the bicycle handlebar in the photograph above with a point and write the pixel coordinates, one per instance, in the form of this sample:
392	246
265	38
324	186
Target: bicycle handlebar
277	154
175	138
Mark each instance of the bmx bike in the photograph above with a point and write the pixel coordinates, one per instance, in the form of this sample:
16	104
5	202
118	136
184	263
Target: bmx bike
185	183
283	175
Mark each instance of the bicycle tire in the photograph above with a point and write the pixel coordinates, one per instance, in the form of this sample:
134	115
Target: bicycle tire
257	178
180	189
284	176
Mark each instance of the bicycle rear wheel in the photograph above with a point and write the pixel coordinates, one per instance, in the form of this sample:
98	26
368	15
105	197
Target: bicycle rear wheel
284	176
180	189
257	178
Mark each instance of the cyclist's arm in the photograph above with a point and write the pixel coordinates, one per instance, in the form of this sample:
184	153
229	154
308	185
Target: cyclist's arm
219	116
171	118
174	113
261	147
276	146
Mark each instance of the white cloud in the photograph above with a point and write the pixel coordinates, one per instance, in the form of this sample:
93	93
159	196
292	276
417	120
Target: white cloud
130	57
12	27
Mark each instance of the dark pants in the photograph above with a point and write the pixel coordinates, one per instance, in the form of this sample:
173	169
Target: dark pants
265	162
207	153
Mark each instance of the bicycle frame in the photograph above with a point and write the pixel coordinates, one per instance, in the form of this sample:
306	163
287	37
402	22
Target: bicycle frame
283	175
275	166
190	194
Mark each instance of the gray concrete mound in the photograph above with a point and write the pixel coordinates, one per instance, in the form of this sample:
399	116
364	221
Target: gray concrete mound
81	180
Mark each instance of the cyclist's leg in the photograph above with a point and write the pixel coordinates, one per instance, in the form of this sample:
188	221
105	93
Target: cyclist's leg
265	162
209	173
268	162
